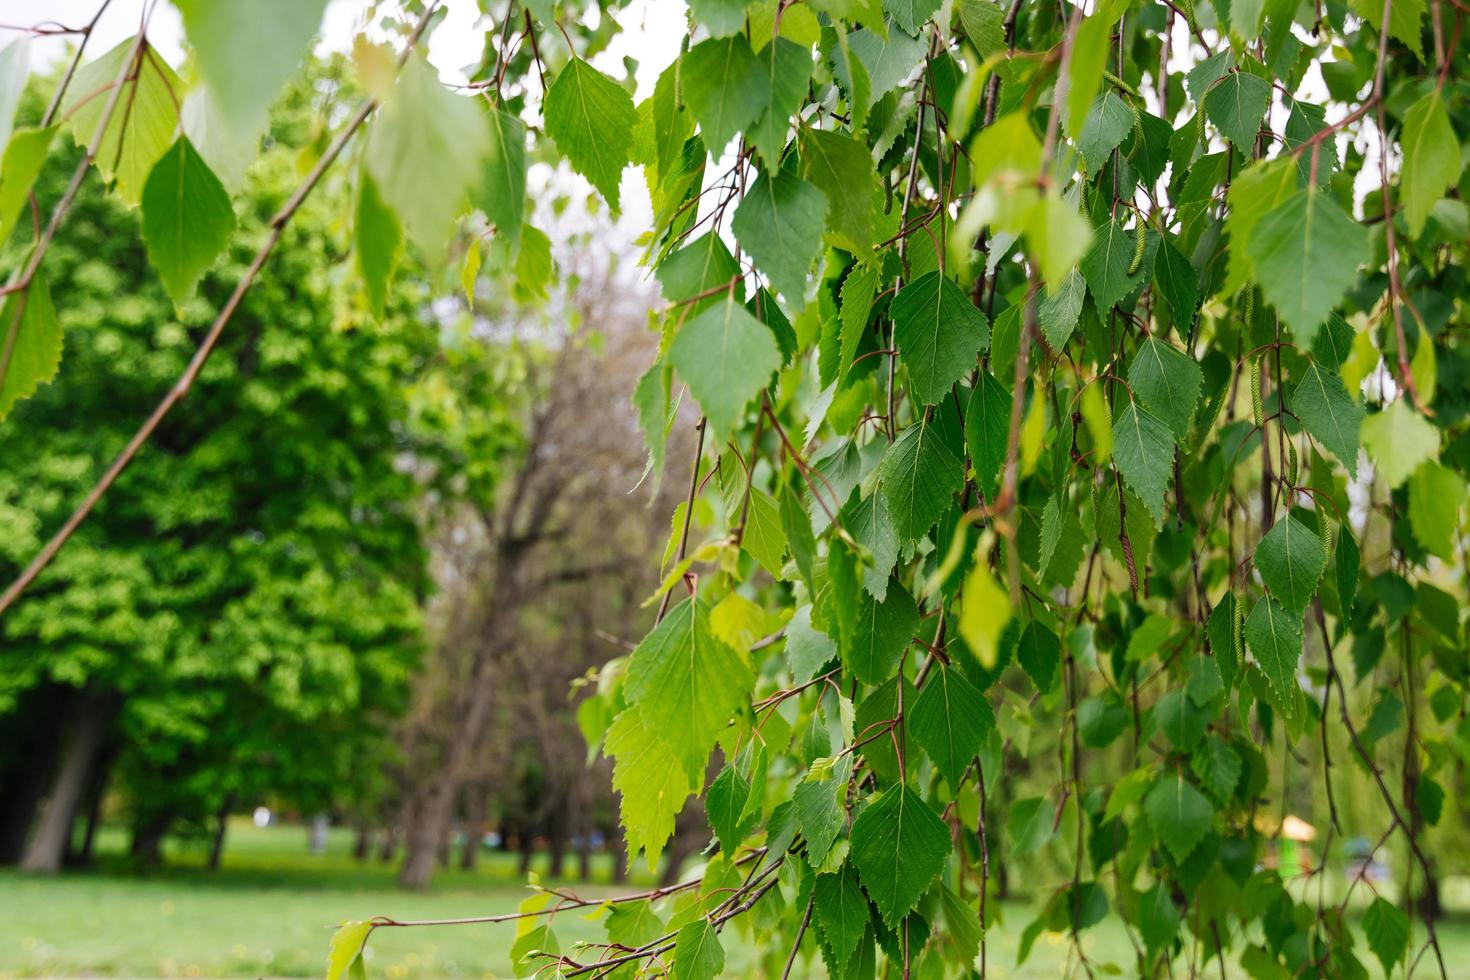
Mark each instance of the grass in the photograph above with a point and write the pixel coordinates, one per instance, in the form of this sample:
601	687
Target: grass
269	910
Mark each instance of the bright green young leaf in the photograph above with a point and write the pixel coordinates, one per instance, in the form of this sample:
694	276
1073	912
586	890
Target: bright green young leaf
1436	495
1431	158
1306	254
1330	414
377	239
1397	440
726	356
886	63
247	51
919	475
427	150
950	720
36	352
24	156
939	333
721	17
1290	559
698	954
687	683
1254	193
15	66
899	846
1180	814
187	218
725	87
780	223
1405	20
591	118
1143	448
650	777
143	124
346	947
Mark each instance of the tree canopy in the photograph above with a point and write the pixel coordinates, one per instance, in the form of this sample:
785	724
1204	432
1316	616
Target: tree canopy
1077	390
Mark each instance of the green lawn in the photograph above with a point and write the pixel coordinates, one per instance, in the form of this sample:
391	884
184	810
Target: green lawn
268	913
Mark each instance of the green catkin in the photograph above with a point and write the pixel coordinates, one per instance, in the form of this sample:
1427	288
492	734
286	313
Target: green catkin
1199	126
1258	411
1138	248
1237	623
1291	462
1324	530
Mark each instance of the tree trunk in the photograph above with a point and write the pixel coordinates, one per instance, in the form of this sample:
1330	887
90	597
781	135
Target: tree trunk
30	741
528	850
434	808
102	773
217	847
148	833
363	843
474	825
48	846
620	858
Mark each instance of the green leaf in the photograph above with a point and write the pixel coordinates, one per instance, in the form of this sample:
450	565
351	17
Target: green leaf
1217	766
919	476
882	632
1178	283
1306	254
887	63
779	222
726	356
1181	721
1143	448
1431	158
377	238
688	683
426	150
650	777
591	118
721	17
787	67
1387	929
940	335
807	648
950	720
1060	309
868	521
841	911
1345	560
725	87
502	193
842	169
911	14
15	67
1436	494
1274	636
1179	814
1167	381
1330	414
1257	191
1398	439
1039	653
899	846
25	154
37	351
1106	125
1290	559
1237	104
187	218
143	124
1405	18
1106	264
1090	50
346	947
819	810
698	268
247	51
857	303
987	429
1159	918
698	954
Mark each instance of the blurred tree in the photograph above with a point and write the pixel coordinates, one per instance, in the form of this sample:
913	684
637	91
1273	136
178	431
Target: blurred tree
242	616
